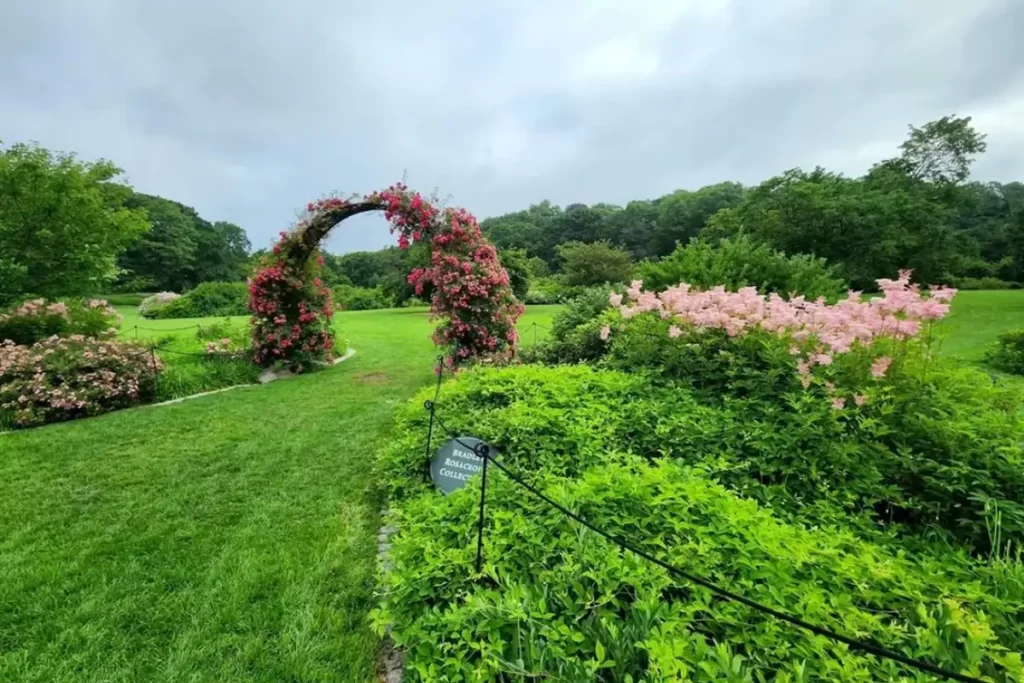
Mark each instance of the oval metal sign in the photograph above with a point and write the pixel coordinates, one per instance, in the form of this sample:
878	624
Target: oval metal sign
454	463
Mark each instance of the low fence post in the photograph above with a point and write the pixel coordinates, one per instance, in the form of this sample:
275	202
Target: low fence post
484	452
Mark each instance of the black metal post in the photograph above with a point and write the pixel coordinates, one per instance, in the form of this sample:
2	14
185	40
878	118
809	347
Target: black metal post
484	452
430	405
156	374
535	333
136	331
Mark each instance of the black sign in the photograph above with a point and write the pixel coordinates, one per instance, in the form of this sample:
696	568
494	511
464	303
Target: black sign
455	462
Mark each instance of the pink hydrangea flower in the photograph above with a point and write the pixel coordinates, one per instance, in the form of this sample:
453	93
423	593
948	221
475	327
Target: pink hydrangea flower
605	333
838	403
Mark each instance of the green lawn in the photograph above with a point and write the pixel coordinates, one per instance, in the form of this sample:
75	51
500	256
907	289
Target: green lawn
226	538
977	319
232	537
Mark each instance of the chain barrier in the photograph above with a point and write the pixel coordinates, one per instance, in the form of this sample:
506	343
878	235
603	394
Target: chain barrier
483	452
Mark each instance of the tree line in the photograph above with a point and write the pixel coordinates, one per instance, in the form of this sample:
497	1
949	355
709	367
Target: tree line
917	210
71	227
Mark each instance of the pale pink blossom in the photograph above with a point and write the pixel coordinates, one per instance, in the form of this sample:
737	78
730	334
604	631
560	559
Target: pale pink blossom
674	331
860	399
605	333
838	403
880	366
615	299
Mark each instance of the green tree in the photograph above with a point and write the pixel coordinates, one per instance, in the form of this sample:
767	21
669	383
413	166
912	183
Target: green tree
517	264
594	263
683	214
63	222
941	151
165	257
222	252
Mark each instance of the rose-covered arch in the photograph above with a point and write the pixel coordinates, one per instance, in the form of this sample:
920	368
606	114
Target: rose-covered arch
292	308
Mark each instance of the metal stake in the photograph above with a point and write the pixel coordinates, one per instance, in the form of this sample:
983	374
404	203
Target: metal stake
483	452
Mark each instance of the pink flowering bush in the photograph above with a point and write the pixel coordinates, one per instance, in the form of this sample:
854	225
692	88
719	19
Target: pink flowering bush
848	340
39	319
63	378
471	294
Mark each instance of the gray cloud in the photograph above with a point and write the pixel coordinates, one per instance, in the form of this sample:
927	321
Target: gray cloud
246	110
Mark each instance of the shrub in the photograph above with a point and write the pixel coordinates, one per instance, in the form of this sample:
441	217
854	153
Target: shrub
352	298
741	262
585	264
575	331
206	300
153	305
66	378
36	320
984	283
1008	352
190	375
125	299
558	602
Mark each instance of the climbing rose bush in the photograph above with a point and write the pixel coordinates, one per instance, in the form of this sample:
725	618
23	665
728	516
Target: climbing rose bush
63	378
472	297
39	319
292	310
817	332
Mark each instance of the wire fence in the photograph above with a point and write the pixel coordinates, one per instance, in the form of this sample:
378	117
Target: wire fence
483	451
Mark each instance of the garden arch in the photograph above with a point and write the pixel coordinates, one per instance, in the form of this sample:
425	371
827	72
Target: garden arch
292	308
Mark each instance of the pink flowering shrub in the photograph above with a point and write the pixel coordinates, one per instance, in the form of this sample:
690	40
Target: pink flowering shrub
38	319
864	335
63	378
471	292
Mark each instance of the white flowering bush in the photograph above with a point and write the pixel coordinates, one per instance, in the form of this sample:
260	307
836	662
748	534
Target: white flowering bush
152	305
63	378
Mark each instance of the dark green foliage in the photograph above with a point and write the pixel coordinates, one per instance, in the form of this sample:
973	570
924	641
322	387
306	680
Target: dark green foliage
62	223
182	249
562	602
124	298
1008	353
209	299
740	262
575	330
517	265
352	298
971	283
594	263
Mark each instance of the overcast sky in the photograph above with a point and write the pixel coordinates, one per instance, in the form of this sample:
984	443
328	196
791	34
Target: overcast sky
248	109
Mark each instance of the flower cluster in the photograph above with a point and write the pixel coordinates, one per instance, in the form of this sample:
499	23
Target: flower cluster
291	309
151	304
471	292
818	331
222	347
61	378
38	319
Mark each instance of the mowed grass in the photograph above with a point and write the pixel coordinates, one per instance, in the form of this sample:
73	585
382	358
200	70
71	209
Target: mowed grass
226	538
232	537
977	319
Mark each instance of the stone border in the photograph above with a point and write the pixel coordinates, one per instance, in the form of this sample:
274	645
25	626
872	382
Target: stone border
391	664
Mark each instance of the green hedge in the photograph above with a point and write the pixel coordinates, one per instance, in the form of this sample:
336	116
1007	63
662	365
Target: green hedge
642	460
206	300
741	262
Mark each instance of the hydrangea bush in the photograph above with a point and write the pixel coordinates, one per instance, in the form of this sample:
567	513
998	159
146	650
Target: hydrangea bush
39	319
63	378
472	298
151	305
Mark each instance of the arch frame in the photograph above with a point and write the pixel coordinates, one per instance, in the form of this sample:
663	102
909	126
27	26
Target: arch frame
472	299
